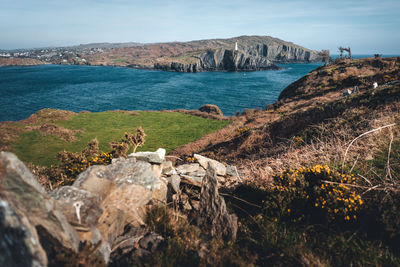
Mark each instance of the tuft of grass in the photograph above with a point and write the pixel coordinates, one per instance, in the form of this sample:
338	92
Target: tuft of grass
164	129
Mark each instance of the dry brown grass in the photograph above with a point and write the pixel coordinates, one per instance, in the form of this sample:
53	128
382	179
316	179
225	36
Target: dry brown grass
67	135
49	116
9	132
327	147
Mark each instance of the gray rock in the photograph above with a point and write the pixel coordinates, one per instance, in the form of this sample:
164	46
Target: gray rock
231	170
79	206
151	157
199	173
220	168
213	215
125	203
175	181
19	242
96	179
160	189
188	168
157	170
111	224
139	173
25	196
167	168
125	187
192	180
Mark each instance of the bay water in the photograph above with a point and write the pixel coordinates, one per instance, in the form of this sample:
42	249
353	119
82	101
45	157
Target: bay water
25	90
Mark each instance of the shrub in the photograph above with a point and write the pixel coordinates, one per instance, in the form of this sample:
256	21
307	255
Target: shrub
313	195
119	149
72	164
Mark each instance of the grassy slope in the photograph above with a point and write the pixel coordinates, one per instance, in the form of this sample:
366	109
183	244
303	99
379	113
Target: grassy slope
314	123
167	130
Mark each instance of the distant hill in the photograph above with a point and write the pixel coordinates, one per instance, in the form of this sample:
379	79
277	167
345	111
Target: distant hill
251	53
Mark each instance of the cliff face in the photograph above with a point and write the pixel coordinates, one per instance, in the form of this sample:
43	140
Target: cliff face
283	53
221	60
231	60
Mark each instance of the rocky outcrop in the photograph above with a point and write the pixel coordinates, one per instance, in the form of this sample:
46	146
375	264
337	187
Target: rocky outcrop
19	242
282	53
213	215
211	109
179	67
253	53
230	60
221	60
31	221
97	211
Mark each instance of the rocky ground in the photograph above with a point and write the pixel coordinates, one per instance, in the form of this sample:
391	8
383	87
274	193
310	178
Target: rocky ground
313	180
42	228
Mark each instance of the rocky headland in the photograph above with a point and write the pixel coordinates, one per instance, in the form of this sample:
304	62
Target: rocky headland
244	53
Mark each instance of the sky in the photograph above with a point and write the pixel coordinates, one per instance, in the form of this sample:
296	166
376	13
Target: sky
367	26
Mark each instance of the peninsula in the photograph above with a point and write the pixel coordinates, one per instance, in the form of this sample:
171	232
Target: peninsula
244	53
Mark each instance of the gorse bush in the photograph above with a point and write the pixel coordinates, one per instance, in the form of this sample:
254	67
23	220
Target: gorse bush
241	130
313	195
75	163
72	164
119	149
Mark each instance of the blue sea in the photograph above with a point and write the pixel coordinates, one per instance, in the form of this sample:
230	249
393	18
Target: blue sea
25	90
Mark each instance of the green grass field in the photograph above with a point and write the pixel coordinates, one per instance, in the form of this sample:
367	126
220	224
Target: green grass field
168	130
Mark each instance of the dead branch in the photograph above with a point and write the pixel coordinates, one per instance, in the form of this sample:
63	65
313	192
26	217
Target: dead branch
361	135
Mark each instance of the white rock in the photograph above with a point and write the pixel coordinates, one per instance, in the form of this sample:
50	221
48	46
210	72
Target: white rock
161	152
167	168
151	157
175	181
219	167
188	168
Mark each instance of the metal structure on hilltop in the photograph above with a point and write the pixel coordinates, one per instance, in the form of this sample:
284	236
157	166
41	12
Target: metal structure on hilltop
325	55
344	49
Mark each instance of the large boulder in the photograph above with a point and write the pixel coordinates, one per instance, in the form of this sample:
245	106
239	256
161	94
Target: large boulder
19	242
123	188
133	188
96	179
211	109
22	194
79	206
